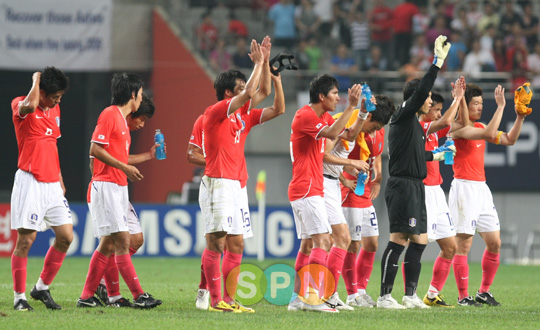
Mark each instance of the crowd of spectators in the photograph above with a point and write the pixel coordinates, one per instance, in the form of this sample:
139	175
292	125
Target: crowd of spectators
346	36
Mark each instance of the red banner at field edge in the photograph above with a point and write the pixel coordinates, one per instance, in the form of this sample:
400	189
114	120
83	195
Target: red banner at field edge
8	237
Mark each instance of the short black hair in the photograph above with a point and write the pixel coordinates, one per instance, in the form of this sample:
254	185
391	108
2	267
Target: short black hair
321	84
146	108
384	110
437	98
227	81
123	86
472	90
53	80
409	88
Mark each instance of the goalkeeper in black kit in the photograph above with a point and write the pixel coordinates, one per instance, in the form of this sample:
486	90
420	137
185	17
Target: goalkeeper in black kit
405	195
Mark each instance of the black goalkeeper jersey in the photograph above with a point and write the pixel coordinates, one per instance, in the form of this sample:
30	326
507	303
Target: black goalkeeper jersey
406	140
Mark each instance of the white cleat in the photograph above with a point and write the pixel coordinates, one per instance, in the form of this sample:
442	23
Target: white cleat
413	301
202	300
337	303
295	305
361	301
387	302
319	308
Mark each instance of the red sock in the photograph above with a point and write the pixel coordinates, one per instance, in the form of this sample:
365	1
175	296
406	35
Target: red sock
441	269
336	258
364	267
51	265
98	263
490	264
18	272
125	266
132	251
202	284
461	273
317	257
229	268
301	261
349	273
213	275
112	279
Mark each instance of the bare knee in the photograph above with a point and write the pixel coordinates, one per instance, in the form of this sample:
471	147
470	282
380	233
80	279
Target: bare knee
24	243
494	246
136	241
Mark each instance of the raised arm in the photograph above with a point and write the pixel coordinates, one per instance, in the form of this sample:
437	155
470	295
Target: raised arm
98	151
353	131
448	118
31	102
252	84
278	108
265	85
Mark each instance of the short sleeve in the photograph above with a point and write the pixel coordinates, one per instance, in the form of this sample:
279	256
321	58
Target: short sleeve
104	127
312	125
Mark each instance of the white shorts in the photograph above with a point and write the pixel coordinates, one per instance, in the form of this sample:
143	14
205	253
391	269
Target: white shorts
439	222
219	201
332	200
37	205
362	222
310	217
471	207
109	208
134	224
244	214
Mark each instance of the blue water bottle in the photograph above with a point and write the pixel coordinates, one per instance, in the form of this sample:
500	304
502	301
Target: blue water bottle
160	151
449	155
366	91
362	176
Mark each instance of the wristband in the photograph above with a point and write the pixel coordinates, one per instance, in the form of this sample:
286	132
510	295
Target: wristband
362	115
498	138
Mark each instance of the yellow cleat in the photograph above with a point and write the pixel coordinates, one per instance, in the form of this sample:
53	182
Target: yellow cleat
238	306
437	301
223	307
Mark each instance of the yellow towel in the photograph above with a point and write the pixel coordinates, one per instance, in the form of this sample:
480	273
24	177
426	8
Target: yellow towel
360	140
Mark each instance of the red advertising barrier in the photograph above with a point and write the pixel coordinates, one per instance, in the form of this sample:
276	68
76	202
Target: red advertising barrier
8	237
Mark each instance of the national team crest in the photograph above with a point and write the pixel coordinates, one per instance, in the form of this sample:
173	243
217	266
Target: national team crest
412	222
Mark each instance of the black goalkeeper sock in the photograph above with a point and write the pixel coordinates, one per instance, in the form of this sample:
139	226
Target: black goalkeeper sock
412	267
389	266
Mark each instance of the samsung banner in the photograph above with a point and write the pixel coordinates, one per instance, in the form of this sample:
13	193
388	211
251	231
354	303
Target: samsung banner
72	35
173	231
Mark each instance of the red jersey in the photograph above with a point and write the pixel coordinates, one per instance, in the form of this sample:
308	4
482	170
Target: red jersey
248	121
196	135
112	131
307	152
376	147
381	17
433	177
469	159
221	140
37	134
403	15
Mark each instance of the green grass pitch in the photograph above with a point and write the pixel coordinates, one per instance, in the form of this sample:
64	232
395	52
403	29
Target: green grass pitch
175	282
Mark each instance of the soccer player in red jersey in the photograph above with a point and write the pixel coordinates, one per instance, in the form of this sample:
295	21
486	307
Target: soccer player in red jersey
470	200
108	290
311	125
440	226
222	192
37	199
109	194
195	156
358	210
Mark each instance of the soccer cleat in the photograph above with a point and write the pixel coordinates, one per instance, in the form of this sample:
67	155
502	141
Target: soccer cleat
23	306
90	302
360	301
45	297
296	304
437	301
223	307
486	298
319	308
335	302
468	301
120	302
101	293
146	301
239	306
413	301
387	302
201	302
366	298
